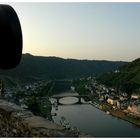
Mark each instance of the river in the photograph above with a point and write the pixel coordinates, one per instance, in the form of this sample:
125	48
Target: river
93	121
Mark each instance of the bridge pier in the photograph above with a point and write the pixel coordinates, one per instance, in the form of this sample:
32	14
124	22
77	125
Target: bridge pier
57	100
79	100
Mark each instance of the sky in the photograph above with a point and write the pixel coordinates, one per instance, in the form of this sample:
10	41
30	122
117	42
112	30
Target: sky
95	31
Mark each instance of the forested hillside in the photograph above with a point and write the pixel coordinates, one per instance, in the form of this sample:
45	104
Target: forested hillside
127	78
37	67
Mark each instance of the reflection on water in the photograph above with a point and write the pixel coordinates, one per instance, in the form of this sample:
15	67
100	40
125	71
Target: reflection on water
93	121
68	100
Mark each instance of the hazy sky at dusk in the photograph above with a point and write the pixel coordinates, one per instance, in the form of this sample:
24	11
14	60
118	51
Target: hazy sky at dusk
108	31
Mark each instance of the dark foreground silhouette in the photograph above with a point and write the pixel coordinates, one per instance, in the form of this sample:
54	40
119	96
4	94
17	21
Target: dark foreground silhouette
10	38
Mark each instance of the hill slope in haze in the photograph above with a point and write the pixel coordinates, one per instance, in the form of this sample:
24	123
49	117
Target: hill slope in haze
127	78
36	67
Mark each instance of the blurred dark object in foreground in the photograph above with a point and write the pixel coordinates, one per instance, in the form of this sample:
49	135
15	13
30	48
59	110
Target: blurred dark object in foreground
10	38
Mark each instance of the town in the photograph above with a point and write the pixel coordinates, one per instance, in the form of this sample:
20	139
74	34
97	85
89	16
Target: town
33	96
114	101
108	99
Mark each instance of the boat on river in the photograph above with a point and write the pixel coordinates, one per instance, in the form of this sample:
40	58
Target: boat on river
107	112
65	123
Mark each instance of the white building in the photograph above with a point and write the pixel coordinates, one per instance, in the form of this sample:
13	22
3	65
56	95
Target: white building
134	96
134	108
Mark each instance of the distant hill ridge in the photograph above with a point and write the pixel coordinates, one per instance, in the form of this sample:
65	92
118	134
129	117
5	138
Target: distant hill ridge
127	79
38	67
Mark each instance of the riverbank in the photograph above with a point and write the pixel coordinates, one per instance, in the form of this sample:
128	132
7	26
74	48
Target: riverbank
19	122
122	115
116	113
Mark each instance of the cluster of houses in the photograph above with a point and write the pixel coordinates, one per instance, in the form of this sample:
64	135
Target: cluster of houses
13	94
116	99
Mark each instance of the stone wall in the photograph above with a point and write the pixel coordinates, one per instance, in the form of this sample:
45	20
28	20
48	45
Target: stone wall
18	122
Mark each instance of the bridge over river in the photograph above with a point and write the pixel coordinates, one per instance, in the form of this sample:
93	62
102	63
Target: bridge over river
79	97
